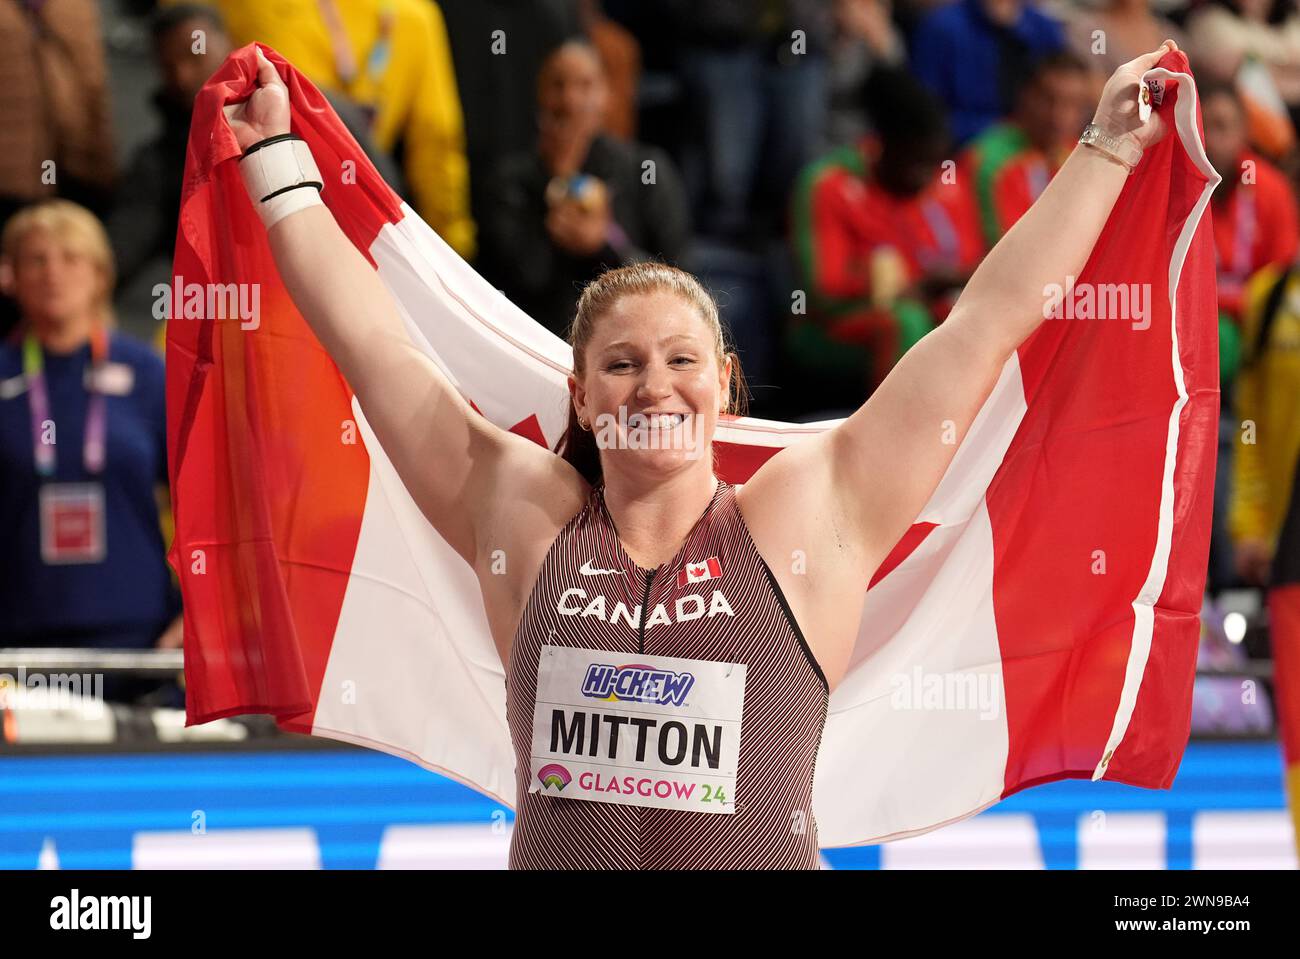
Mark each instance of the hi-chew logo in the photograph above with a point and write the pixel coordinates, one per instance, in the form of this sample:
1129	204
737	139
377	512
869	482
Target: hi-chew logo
553	775
636	684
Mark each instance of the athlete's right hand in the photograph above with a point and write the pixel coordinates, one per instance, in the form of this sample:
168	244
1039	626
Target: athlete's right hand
266	112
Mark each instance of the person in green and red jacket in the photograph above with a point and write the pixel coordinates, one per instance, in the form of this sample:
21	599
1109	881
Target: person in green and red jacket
884	237
1008	165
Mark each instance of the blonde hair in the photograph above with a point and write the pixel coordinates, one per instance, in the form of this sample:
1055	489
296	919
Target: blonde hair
601	295
78	230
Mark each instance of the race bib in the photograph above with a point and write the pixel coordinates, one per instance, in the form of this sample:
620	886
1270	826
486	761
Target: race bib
72	523
637	730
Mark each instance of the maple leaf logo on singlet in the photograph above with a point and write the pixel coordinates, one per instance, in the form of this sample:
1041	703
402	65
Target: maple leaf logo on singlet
697	572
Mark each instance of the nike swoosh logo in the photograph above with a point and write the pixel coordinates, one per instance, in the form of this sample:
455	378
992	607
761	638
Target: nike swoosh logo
586	570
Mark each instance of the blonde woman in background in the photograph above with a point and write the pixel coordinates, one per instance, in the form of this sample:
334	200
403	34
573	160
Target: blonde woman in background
83	451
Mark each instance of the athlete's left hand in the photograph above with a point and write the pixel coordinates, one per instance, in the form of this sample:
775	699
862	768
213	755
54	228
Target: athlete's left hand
1117	113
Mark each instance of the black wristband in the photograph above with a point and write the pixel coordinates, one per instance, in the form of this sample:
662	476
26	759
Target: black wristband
268	141
294	186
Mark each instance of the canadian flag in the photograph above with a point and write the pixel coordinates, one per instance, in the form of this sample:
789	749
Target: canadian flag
694	572
1060	564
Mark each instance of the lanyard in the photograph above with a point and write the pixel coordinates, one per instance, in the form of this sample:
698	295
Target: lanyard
948	250
345	59
38	404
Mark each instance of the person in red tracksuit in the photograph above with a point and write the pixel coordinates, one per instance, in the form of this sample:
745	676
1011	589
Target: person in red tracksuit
1254	208
884	237
1008	165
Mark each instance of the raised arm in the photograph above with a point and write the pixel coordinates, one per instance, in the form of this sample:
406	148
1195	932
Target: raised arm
460	469
871	476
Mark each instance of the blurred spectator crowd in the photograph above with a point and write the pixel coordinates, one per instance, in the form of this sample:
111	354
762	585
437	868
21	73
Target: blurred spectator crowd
834	170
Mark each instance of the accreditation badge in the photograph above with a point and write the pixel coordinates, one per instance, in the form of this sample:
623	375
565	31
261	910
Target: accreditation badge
72	523
656	731
111	379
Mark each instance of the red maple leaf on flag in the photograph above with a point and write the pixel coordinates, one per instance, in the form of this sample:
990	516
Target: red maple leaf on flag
529	427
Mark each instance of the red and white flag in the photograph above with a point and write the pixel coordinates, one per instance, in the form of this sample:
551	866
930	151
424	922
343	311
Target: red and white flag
1056	572
698	572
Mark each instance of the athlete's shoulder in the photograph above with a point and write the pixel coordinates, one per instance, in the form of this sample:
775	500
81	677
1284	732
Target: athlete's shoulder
583	511
727	508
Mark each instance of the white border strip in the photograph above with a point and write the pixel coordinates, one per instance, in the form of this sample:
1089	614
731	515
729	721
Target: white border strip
1144	603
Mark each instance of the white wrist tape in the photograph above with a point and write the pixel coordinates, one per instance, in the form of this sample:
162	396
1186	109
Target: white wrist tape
281	177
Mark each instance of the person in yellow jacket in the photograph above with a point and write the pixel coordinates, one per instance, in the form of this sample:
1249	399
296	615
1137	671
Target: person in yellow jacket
1268	408
391	57
1265	512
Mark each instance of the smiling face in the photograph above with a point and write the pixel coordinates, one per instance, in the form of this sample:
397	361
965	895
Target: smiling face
651	385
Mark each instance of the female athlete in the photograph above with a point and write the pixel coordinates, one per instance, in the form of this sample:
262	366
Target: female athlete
670	641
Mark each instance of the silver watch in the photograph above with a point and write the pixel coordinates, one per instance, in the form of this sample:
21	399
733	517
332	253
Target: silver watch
1122	150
